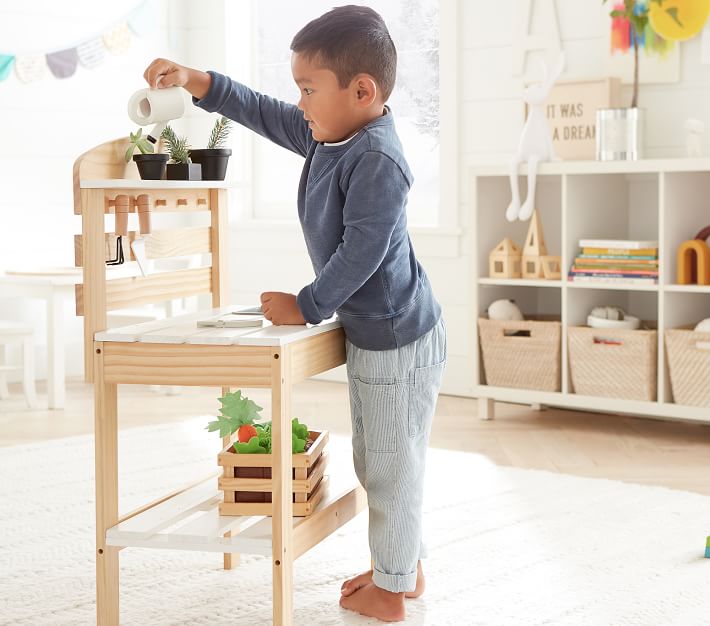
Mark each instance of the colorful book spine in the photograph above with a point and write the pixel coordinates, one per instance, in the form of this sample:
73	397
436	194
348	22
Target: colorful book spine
626	252
573	278
627	244
611	272
582	264
618	258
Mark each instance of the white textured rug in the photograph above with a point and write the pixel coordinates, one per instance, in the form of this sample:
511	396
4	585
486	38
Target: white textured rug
508	546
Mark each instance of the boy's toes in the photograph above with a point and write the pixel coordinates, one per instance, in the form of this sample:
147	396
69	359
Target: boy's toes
351	585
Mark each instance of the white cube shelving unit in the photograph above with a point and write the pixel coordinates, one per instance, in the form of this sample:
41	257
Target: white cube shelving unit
664	200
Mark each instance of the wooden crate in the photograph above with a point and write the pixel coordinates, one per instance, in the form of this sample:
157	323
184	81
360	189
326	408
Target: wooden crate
247	485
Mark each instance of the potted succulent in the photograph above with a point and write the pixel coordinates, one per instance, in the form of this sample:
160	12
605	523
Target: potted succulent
215	157
180	167
151	166
619	132
250	457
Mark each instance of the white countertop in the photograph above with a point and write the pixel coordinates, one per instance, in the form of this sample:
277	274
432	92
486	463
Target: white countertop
184	329
128	183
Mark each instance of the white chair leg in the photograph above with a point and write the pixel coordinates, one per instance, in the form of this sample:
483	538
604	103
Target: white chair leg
4	392
28	372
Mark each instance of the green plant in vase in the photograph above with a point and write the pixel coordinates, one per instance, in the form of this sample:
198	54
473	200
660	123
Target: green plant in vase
151	166
220	132
215	157
620	131
180	166
138	142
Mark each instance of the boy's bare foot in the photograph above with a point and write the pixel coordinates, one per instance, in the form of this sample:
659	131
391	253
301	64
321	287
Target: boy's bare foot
351	585
372	601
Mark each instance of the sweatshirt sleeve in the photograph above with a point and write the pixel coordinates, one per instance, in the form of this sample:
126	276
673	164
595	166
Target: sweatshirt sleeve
375	202
281	122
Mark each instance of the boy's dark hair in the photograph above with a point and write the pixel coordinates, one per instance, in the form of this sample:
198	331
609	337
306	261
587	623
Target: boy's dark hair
350	40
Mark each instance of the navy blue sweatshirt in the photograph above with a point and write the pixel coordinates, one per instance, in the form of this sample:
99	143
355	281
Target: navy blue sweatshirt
352	202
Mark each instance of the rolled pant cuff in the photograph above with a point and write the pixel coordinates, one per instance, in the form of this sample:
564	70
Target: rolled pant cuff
394	583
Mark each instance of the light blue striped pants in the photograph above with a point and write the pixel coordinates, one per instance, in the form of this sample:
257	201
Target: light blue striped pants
392	400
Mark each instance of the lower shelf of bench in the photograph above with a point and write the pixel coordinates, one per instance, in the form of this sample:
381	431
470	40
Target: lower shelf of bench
190	520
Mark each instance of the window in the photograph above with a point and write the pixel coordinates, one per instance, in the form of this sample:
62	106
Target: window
414	27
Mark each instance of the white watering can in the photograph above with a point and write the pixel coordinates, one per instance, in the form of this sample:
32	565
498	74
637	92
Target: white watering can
156	106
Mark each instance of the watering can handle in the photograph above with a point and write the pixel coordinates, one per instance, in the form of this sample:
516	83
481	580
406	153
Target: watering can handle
133	107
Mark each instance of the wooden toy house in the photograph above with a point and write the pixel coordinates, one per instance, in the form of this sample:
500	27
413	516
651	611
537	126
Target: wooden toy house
504	261
534	250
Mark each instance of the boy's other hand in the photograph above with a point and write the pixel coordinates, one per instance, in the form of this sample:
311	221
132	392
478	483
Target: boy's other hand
281	308
162	73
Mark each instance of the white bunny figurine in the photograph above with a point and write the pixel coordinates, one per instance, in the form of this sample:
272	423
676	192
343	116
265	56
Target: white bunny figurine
535	142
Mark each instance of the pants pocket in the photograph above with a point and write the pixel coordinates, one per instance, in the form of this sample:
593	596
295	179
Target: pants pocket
422	398
381	406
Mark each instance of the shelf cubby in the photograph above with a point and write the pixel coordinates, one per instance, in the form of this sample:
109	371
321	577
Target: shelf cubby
664	200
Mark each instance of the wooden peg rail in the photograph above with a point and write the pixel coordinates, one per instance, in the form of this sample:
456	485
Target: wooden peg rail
164	200
144	205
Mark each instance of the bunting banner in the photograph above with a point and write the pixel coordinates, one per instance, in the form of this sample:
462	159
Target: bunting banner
6	61
90	53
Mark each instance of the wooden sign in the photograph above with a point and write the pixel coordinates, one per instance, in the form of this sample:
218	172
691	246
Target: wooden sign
571	113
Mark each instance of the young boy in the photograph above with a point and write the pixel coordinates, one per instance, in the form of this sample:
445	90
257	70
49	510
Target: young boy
352	207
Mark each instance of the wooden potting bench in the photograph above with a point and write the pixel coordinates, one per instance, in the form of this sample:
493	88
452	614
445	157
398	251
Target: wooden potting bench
175	351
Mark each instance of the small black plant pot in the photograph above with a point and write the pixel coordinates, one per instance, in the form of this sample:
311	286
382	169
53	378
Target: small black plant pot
213	160
151	166
184	171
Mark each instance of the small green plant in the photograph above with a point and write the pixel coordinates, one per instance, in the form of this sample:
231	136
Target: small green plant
138	141
239	414
220	131
177	147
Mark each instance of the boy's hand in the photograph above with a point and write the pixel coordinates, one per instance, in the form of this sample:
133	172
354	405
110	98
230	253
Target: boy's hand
163	73
281	308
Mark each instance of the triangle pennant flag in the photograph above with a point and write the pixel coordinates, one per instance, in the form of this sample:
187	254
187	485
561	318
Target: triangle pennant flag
118	39
63	63
91	53
6	61
30	68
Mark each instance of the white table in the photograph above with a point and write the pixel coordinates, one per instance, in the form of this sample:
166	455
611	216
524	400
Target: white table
55	288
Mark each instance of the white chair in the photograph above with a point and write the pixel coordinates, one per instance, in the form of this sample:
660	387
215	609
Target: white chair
13	333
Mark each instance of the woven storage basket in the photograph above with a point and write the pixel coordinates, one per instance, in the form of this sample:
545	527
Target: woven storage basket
525	362
625	370
689	366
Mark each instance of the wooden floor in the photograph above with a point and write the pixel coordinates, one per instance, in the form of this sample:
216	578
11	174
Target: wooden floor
670	454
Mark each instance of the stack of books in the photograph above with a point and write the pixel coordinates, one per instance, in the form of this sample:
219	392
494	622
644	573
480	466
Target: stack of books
616	260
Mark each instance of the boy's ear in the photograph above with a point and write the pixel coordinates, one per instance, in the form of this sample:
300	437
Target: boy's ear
365	89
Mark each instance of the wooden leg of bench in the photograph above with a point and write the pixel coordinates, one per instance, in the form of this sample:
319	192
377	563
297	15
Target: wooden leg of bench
282	519
230	560
106	458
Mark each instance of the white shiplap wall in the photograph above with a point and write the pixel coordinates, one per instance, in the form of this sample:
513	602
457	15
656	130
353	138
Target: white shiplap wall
46	125
272	256
490	119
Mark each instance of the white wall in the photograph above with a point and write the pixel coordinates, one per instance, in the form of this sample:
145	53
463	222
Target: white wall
273	257
490	118
46	125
